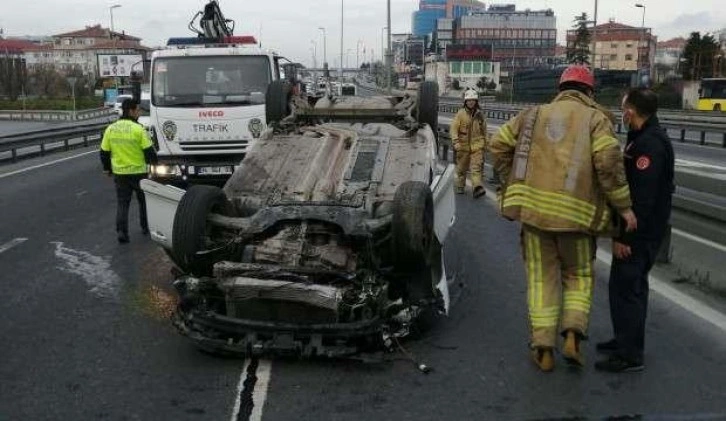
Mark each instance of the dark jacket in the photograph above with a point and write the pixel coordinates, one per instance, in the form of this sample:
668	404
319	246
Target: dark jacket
650	167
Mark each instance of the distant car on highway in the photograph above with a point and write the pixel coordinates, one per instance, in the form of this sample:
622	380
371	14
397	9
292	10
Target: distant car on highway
145	109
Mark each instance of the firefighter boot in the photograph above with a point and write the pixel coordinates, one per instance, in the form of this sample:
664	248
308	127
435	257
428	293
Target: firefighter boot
571	349
479	191
544	358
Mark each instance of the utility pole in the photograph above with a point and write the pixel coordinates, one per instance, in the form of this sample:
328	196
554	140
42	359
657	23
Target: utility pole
389	63
342	3
594	39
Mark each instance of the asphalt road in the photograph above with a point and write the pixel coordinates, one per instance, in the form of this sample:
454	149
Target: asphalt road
85	335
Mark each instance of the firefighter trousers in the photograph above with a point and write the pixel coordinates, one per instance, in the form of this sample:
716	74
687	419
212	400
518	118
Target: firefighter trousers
472	163
560	279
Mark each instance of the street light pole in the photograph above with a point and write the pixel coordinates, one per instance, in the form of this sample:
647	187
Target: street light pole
642	33
110	9
389	63
325	46
342	23
594	39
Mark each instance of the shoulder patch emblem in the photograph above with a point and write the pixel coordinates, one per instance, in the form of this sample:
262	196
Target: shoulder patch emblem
643	163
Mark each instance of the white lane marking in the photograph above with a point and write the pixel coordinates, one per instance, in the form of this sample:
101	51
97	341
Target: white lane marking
12	243
95	271
238	394
264	371
700	240
259	393
677	297
696	164
35	167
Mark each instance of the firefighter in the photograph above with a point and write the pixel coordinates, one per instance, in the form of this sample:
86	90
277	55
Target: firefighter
125	151
468	136
562	171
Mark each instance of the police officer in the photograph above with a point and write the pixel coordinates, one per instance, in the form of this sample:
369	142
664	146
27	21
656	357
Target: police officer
561	166
649	164
125	152
468	136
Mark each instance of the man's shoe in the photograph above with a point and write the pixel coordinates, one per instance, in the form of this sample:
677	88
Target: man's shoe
479	191
571	349
616	364
607	347
123	238
544	358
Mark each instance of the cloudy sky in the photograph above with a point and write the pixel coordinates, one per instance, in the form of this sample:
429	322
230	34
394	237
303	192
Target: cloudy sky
291	26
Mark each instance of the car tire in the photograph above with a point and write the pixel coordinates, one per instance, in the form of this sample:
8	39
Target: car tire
277	101
428	104
191	228
413	226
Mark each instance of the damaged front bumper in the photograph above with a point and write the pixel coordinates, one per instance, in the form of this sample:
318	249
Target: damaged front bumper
225	335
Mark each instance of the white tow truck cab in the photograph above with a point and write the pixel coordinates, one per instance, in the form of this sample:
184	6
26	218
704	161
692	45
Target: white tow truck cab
207	106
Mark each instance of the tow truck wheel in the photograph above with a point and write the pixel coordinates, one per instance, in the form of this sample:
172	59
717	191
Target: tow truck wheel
413	225
191	231
277	101
428	104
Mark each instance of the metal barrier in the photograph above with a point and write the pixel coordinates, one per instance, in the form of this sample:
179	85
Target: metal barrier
703	125
40	139
42	115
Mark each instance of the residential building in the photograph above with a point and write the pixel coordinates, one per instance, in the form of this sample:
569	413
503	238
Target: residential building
667	57
620	47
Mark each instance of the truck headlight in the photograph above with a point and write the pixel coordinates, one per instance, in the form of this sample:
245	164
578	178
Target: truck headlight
165	170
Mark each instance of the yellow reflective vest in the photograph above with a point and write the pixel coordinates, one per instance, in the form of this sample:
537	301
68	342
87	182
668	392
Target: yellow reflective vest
569	173
126	141
468	133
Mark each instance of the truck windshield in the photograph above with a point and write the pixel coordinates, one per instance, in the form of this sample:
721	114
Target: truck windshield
210	81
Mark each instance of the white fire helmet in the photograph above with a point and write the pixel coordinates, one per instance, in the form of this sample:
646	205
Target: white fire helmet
471	94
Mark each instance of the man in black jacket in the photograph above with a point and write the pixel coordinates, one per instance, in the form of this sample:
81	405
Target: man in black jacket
649	165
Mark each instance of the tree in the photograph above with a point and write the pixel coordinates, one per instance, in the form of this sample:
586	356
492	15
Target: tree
13	76
700	57
482	83
492	85
578	49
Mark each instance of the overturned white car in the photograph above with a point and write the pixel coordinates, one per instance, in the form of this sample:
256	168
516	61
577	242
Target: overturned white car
326	241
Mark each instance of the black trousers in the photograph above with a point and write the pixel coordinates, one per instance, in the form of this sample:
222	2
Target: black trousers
126	185
629	298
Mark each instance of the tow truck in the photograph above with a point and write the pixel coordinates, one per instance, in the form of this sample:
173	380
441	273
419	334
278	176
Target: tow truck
208	100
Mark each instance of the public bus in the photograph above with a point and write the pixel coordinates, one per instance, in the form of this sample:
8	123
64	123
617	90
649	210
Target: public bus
712	95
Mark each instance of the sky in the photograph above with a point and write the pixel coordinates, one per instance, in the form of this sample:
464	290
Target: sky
290	27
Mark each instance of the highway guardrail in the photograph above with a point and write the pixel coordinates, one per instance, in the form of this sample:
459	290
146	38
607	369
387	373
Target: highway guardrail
41	139
43	115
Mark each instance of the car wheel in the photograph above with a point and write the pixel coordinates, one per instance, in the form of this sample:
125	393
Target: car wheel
192	232
413	225
277	101
428	104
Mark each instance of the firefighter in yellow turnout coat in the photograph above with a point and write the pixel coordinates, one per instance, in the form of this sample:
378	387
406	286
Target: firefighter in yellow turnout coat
468	136
563	172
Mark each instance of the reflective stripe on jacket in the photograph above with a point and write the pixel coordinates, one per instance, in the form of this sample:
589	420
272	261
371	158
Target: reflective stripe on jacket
468	133
574	168
126	141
